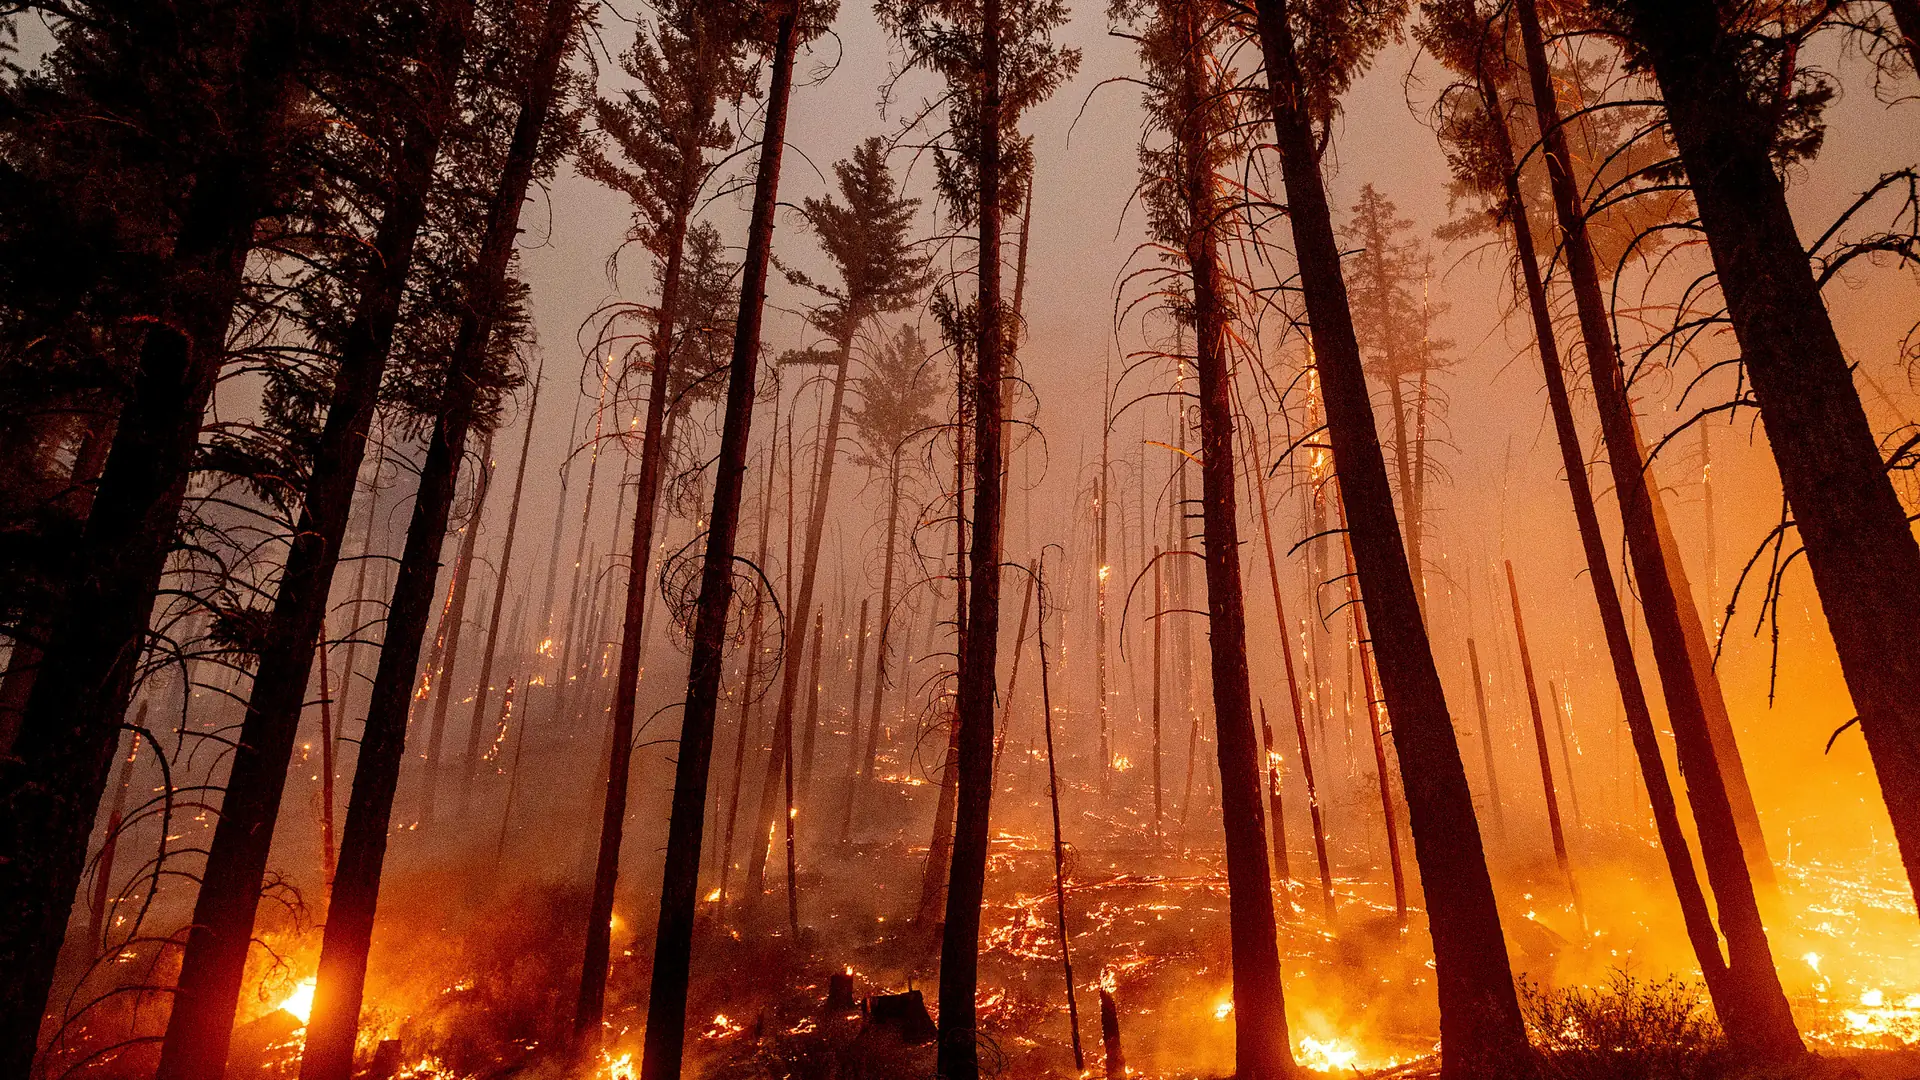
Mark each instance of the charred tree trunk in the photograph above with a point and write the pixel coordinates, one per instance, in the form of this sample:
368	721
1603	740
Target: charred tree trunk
812	733
1319	829
110	842
470	766
1262	1047
457	613
853	724
1762	1024
1496	809
200	1026
56	773
1276	814
1362	649
886	618
673	943
1540	744
1013	679
656	445
1639	717
749	701
343	953
1480	1023
1059	845
958	1056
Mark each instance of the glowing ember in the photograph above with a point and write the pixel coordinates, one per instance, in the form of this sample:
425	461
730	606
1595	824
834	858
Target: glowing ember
1224	1009
300	1002
713	895
618	1068
722	1027
1328	1056
1813	961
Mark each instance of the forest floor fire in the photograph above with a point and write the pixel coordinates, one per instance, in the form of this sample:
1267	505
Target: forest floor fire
473	995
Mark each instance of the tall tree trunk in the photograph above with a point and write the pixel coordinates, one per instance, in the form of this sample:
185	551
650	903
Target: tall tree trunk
958	1054
1480	1023
798	616
749	702
886	617
1554	827
590	1006
207	995
457	612
470	765
1713	699
812	733
1383	773
1763	1024
1560	710
853	724
1319	829
343	952
1013	678
1403	464
1639	717
52	782
1262	1048
1059	845
110	842
1495	808
933	881
673	943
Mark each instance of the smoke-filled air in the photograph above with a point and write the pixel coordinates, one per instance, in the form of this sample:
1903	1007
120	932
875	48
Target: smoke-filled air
960	539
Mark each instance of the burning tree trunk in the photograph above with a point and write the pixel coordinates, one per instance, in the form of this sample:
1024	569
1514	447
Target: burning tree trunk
1763	1023
349	931
1481	1028
470	765
749	711
1319	830
51	785
673	943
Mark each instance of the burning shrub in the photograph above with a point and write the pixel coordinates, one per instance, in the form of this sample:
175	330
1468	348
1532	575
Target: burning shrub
1626	1029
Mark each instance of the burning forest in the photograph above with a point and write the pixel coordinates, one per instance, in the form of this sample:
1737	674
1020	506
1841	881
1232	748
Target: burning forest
817	539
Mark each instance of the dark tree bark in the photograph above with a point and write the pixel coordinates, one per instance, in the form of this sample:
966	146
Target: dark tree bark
749	704
470	765
1480	1023
1554	826
853	724
886	618
1495	808
110	842
1762	1024
801	612
456	621
673	943
356	890
959	1052
1059	845
1639	717
1383	774
1319	829
812	733
52	783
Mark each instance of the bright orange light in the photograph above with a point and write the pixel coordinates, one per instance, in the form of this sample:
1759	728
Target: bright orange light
300	1002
